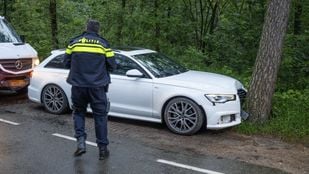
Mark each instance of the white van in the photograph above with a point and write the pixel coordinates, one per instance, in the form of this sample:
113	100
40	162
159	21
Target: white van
16	59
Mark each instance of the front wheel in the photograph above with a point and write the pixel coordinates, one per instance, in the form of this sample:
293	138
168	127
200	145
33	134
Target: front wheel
183	116
54	99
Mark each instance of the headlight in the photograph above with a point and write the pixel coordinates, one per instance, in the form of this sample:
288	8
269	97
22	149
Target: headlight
220	98
35	62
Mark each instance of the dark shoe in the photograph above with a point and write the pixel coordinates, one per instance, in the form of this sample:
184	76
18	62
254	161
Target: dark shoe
79	152
81	146
103	153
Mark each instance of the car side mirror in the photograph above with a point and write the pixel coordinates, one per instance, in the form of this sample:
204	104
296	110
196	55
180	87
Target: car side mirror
134	73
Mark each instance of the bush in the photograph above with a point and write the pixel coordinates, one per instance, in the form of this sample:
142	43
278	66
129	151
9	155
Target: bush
289	119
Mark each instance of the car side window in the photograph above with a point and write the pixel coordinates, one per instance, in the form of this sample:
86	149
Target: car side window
124	64
56	62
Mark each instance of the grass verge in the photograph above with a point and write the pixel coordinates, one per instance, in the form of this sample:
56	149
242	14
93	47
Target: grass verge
289	119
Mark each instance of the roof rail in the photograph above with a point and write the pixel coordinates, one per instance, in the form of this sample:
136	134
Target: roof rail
126	48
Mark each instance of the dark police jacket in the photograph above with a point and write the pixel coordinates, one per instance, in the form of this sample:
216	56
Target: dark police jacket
90	60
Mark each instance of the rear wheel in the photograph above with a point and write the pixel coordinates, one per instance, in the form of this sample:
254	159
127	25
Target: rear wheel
183	116
54	99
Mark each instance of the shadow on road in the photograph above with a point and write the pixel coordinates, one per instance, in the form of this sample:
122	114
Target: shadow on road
12	97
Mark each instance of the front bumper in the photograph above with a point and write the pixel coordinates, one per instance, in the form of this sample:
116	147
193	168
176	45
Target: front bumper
221	120
222	115
14	81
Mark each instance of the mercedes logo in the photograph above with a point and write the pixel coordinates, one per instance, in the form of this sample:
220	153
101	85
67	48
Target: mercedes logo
18	64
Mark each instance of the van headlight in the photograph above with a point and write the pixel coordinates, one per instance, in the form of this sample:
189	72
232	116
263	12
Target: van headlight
220	98
35	61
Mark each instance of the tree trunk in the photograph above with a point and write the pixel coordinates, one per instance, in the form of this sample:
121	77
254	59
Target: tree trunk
262	85
5	3
204	17
212	25
53	23
157	25
297	15
121	22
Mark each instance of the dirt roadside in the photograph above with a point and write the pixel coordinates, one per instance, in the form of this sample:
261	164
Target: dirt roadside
265	151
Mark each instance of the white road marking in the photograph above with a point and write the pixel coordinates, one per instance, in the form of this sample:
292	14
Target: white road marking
73	139
188	167
9	122
159	160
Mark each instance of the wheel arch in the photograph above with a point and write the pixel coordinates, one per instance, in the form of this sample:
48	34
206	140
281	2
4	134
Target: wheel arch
181	96
65	105
41	94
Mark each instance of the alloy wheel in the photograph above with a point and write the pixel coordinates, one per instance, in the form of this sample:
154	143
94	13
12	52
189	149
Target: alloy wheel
183	116
54	99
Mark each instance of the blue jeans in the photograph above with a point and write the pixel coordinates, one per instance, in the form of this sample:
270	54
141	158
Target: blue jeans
96	97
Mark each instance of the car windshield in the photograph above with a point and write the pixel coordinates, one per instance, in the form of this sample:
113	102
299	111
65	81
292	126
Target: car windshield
159	65
7	33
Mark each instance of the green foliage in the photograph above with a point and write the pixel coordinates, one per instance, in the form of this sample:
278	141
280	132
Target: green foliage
226	43
193	59
290	117
71	20
28	22
294	70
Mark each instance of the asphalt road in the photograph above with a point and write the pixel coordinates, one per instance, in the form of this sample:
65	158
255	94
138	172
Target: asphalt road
33	141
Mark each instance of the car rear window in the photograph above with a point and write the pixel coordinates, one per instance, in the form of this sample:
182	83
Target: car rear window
56	62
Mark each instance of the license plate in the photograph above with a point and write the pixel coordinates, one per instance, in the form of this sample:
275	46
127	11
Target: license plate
17	83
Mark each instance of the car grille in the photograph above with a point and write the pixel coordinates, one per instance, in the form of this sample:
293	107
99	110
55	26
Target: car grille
16	64
241	93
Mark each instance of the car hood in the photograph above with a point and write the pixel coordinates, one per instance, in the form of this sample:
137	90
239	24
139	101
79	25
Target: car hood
208	82
11	51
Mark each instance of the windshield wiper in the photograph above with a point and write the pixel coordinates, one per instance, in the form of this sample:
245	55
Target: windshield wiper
18	43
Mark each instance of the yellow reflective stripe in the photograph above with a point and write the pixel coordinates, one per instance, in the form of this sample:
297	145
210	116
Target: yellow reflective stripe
89	45
85	44
109	54
88	50
68	51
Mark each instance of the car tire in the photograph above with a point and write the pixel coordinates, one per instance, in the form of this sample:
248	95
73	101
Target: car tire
183	116
54	99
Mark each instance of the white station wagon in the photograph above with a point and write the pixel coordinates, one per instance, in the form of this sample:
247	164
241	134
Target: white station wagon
149	86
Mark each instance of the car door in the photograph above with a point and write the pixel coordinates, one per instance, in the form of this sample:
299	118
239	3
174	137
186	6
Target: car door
55	72
56	66
130	97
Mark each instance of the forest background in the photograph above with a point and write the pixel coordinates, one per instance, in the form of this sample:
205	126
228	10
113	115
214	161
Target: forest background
220	36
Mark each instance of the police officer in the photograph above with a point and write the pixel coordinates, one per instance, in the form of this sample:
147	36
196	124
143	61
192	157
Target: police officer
90	60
